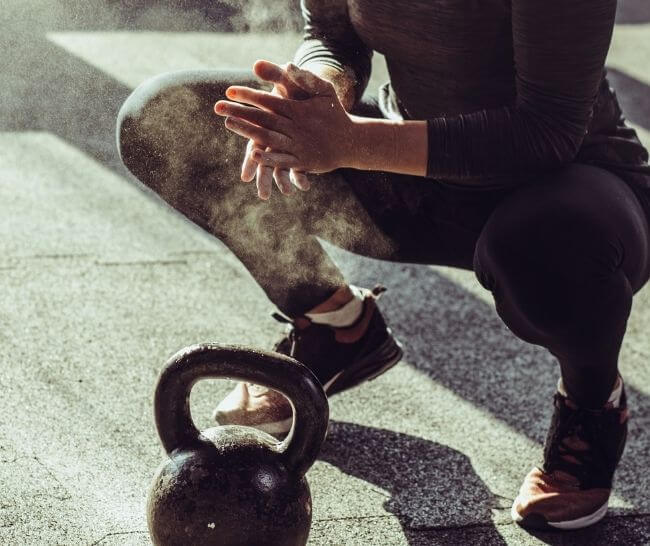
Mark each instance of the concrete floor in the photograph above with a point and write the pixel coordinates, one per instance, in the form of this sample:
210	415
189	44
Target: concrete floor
103	283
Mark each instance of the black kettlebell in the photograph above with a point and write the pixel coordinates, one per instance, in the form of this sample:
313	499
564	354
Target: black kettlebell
234	485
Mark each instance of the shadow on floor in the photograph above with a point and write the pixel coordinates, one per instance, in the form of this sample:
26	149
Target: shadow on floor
606	533
417	474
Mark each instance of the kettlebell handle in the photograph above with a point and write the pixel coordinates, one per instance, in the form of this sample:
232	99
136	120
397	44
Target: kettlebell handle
279	372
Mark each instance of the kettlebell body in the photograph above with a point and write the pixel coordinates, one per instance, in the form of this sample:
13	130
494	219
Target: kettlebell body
233	485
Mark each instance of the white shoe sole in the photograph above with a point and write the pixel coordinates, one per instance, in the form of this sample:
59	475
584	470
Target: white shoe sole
540	522
276	428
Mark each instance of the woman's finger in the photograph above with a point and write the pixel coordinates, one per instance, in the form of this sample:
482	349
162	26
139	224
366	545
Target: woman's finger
277	74
275	159
262	99
283	181
263	118
249	165
267	138
264	181
300	180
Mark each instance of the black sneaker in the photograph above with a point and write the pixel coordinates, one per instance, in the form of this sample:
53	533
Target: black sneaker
582	450
341	358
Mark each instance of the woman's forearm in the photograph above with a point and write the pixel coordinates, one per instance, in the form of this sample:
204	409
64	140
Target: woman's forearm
387	145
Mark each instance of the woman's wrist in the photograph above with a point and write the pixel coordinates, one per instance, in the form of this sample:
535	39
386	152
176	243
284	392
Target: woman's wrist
387	145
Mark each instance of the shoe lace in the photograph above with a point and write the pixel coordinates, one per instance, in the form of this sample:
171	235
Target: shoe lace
578	443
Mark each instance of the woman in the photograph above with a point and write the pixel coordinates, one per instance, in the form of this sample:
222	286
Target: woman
498	146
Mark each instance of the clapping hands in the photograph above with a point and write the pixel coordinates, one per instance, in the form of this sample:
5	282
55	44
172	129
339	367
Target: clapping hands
298	127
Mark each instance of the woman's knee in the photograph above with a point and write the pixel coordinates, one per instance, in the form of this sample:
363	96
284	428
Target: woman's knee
554	262
168	134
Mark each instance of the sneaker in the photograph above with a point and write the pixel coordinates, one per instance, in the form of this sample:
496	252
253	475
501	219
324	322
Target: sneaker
582	450
341	358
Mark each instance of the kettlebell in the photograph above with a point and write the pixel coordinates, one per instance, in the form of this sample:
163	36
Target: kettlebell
234	485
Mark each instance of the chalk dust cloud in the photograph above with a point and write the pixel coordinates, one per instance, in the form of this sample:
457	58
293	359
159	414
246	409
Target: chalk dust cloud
193	163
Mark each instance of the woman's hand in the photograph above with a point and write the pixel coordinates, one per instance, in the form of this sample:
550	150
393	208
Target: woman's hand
285	179
314	135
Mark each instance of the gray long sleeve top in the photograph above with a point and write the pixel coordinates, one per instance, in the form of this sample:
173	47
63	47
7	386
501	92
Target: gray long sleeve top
506	86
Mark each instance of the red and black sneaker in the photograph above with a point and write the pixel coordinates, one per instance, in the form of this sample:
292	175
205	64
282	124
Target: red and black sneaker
571	490
341	358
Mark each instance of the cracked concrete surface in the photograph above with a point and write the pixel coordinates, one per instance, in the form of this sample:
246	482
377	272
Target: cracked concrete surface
102	283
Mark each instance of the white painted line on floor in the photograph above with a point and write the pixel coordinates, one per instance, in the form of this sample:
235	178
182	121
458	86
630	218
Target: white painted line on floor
132	57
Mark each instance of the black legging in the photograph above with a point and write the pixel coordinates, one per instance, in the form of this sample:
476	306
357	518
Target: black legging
562	253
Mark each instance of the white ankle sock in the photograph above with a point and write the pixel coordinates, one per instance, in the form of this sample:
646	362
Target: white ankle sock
343	316
614	398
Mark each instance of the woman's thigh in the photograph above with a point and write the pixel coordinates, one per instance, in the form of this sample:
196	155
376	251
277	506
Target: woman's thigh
580	220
